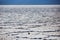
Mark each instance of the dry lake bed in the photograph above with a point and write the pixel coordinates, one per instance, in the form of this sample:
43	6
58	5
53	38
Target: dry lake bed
29	22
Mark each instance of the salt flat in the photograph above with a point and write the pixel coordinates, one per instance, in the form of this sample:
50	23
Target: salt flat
29	22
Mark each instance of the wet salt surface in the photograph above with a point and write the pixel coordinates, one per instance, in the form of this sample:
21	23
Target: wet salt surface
30	22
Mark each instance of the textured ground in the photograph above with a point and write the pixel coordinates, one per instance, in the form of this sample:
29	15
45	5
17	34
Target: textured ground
29	22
